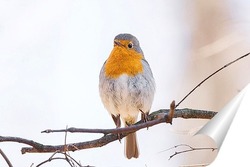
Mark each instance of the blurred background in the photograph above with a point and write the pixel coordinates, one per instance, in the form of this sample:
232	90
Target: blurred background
51	53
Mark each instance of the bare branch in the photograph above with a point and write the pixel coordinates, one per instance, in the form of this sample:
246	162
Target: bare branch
154	118
32	143
5	158
157	117
189	149
70	160
228	64
49	160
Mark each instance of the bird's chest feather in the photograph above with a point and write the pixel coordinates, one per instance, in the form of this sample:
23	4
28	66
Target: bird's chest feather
122	62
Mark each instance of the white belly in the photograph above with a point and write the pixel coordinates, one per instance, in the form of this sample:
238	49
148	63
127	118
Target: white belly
127	95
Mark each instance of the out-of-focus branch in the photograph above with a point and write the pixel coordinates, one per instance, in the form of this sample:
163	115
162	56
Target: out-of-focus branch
225	66
189	149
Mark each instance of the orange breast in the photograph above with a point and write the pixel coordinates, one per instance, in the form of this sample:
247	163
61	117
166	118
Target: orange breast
123	61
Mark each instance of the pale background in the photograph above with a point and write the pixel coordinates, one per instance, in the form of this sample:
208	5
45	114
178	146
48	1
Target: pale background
51	53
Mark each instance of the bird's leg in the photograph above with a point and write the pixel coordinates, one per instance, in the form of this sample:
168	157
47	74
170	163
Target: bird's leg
144	116
117	121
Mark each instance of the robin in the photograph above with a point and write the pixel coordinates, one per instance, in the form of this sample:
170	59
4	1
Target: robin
127	86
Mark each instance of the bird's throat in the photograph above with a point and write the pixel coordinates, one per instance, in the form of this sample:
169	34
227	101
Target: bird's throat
123	61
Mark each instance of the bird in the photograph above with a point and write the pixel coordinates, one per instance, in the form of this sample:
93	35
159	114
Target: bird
127	86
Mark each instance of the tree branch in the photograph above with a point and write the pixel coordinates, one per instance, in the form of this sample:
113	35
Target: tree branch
110	135
154	118
161	116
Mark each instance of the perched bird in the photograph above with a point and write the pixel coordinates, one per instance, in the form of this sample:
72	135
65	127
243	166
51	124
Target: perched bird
127	86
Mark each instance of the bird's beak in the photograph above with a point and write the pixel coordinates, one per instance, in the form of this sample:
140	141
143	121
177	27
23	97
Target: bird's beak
117	43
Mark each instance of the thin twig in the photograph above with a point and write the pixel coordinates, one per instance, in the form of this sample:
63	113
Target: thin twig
131	128
228	64
5	158
69	159
49	160
190	148
66	149
72	159
154	118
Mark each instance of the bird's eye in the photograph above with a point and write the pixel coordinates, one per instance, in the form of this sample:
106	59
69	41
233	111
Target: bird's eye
130	45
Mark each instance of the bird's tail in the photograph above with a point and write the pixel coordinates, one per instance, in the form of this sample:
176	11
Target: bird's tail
131	147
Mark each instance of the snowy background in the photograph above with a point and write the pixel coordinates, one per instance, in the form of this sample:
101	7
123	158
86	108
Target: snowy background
51	53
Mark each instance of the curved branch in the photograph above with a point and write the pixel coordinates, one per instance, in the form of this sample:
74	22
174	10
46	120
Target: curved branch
110	135
32	143
225	66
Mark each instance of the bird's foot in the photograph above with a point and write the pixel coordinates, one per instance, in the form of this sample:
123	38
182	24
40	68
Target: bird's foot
117	121
144	116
